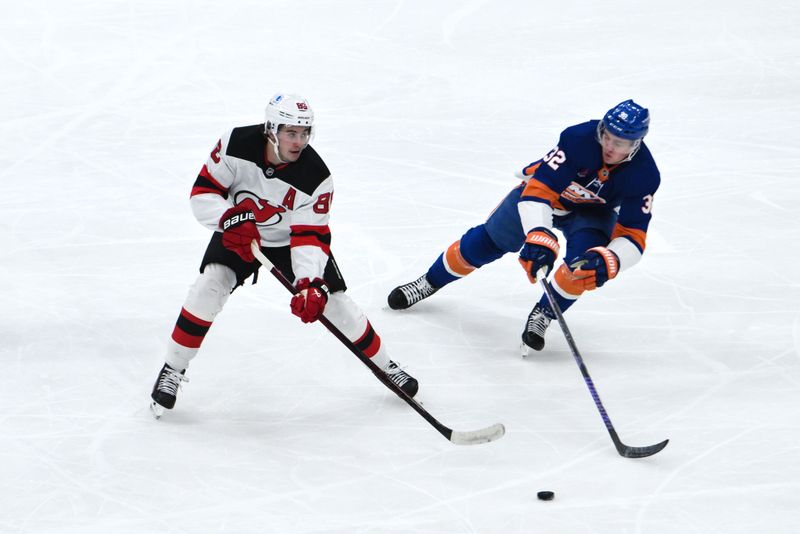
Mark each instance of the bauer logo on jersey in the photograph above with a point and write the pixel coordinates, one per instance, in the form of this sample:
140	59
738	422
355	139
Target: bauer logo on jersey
266	214
579	194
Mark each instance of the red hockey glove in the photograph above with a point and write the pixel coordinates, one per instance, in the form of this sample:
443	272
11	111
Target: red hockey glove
238	226
593	268
540	250
309	303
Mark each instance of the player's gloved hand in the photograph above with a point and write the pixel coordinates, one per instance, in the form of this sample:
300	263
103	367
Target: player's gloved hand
239	229
593	268
309	303
540	250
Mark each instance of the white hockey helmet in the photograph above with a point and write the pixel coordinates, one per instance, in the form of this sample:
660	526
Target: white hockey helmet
287	109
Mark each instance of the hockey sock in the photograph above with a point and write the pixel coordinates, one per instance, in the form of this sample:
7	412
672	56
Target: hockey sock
474	250
204	301
566	293
351	321
370	344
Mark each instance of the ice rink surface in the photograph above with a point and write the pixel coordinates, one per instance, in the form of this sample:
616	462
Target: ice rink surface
424	112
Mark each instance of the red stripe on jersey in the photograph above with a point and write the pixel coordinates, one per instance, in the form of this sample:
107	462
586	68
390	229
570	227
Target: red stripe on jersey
315	236
309	240
196	190
213	186
302	228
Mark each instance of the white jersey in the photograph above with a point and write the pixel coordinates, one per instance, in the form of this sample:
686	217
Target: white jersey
291	201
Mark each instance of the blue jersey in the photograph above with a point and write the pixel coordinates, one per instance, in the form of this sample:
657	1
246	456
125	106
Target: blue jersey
573	177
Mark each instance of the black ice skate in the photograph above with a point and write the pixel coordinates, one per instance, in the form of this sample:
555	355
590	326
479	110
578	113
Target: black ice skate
538	321
165	390
407	295
406	382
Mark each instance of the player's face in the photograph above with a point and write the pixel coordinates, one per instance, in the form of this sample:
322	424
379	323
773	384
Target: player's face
292	141
615	149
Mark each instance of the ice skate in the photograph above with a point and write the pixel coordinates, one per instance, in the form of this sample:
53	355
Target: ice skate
165	390
405	381
407	295
533	336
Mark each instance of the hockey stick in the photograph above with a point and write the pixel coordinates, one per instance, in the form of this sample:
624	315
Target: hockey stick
471	437
624	450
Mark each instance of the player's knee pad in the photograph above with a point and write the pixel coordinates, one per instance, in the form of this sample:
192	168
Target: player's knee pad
478	248
345	314
210	291
475	249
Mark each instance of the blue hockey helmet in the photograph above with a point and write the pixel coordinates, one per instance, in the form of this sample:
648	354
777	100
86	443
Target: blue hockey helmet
627	120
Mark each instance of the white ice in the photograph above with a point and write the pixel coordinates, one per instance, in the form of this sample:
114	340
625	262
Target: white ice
424	111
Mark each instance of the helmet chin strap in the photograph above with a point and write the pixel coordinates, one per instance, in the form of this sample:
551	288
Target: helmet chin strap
276	144
636	145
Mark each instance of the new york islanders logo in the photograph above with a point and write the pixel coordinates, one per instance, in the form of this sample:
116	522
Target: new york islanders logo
266	214
579	194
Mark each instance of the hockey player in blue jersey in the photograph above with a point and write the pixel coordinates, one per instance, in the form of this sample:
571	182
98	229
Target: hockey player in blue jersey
596	187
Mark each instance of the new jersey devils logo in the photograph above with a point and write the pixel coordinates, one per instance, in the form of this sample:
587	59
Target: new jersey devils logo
266	214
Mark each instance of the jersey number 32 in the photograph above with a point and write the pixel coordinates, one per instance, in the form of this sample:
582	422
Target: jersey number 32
555	158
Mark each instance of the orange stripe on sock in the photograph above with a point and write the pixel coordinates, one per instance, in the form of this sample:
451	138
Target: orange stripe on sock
456	263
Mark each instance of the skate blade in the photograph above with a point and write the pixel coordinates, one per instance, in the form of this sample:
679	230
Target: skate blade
156	409
525	350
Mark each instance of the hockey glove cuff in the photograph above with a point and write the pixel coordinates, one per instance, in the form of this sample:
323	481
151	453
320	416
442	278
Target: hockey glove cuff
594	268
239	229
540	250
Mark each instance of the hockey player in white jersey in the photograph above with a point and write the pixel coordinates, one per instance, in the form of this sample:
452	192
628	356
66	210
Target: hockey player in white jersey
265	182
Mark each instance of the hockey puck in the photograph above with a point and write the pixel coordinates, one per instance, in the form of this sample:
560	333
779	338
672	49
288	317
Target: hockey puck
545	495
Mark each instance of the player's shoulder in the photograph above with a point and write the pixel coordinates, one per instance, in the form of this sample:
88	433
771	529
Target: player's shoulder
313	164
579	136
582	131
580	140
643	169
307	173
245	142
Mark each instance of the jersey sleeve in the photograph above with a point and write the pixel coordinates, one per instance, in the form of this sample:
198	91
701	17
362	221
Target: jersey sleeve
629	238
209	195
547	178
310	237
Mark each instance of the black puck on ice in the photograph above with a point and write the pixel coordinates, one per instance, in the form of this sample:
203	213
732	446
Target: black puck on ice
545	495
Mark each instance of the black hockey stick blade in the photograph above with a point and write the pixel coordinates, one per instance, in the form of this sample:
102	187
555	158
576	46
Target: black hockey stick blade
640	452
624	450
472	437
